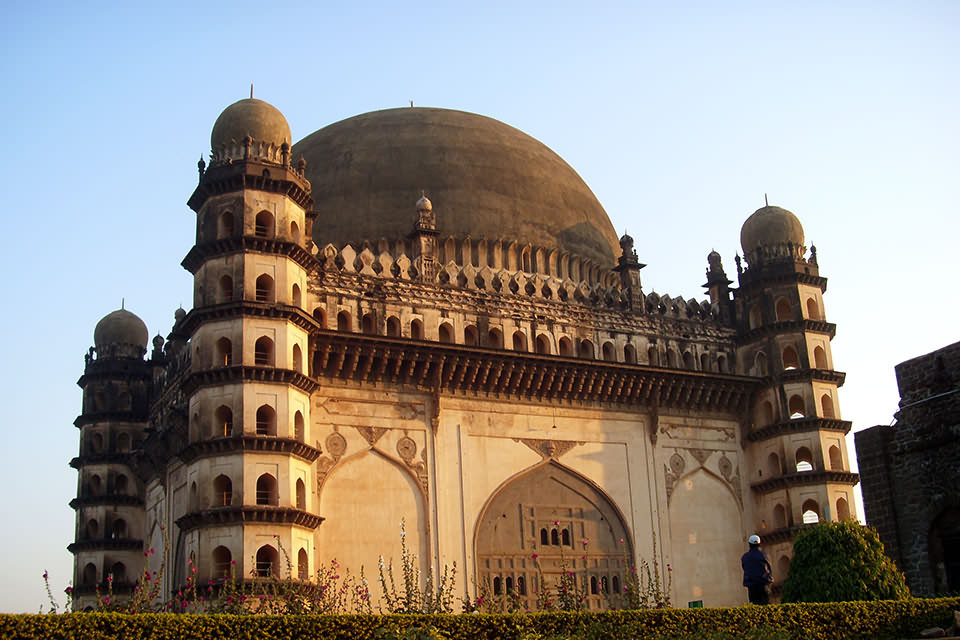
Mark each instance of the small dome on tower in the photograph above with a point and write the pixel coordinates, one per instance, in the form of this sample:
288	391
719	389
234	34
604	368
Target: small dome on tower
424	204
120	328
260	121
770	227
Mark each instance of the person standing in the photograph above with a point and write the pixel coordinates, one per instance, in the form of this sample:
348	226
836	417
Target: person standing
756	572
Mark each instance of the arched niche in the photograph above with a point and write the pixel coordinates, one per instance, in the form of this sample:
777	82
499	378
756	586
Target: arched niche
550	510
706	532
363	502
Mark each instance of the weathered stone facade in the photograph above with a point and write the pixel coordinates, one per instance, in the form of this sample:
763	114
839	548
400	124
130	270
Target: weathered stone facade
911	473
482	363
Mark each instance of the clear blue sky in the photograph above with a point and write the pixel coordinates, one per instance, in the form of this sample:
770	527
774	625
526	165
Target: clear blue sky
678	115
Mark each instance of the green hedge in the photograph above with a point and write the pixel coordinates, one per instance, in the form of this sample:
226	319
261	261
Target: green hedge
828	621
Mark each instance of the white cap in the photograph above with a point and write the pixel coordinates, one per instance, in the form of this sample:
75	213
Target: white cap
754	539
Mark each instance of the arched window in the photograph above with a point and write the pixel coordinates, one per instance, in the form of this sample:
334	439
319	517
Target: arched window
267	562
760	364
586	350
671	359
223	421
266	421
555	537
836	458
798	408
652	358
804	459
616	584
96	485
222	491
416	329
843	510
298	427
779	517
393	327
93	529
264	288
119	572
445	332
811	512
688	361
544	537
297	358
704	362
630	354
594	589
820	357
263	352
773	465
604	584
344	321
565	347
497	586
519	341
320	316
193	497
225	225
756	317
119	529
521	586
225	289
303	565
368	324
784	310
722	364
98	442
543	344
790	359
222	561
267	490
294	231
609	355
495	338
565	537
295	295
263	225
813	309
826	406
509	584
121	484
223	353
90	574
301	495
123	442
471	336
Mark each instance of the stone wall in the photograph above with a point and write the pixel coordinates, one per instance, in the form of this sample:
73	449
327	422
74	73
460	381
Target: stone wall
909	472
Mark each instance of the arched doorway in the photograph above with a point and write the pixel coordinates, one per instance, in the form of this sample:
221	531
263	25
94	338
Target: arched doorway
551	516
945	551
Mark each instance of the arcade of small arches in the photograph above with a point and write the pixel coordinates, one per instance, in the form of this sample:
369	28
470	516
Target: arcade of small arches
542	343
224	425
803	462
221	494
784	312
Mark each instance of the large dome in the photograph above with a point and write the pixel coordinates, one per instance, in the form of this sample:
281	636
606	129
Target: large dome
769	227
484	178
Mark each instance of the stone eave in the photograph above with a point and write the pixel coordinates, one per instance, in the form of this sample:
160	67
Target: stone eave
246	308
803	478
118	588
249	514
258	443
460	369
242	373
107	499
801	425
787	326
776	273
105	544
252	174
125	417
100	458
246	244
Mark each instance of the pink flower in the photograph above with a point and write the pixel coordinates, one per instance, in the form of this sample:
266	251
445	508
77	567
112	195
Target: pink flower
45	575
534	556
556	523
585	541
68	590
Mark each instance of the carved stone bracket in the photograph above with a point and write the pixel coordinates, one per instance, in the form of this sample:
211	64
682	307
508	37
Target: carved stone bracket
371	434
336	446
549	449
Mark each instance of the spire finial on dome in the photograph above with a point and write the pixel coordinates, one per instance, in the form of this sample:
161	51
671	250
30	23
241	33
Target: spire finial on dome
251	91
123	301
765	201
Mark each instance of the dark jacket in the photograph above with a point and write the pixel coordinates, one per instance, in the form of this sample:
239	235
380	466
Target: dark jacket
756	569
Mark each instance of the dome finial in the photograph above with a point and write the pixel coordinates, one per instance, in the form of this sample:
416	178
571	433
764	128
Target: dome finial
765	201
251	91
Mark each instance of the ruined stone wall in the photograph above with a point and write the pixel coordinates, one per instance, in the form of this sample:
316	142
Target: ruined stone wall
909	472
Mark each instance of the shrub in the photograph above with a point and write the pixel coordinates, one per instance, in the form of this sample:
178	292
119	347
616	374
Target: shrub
842	561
